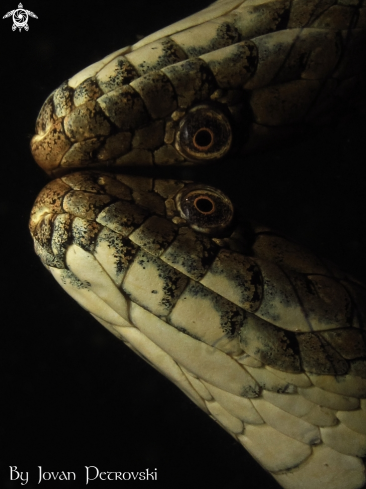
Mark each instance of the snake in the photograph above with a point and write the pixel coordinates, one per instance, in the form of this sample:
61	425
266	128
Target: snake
265	336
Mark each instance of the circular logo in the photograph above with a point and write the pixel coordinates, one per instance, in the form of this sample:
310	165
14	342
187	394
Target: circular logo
20	18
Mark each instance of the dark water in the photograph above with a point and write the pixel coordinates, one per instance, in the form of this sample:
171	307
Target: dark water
72	395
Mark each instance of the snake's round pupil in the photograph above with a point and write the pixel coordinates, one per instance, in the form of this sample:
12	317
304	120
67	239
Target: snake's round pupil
204	134
204	204
205	209
203	139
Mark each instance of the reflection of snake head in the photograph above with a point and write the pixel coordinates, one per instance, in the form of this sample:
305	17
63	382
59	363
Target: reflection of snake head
221	82
251	326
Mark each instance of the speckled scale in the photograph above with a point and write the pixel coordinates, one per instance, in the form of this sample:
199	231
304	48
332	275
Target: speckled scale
124	108
191	253
63	100
85	122
275	347
114	75
318	357
282	250
85	233
87	90
350	343
154	235
236	277
192	81
152	284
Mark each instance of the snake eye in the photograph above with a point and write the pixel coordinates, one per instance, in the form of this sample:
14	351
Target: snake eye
206	209
204	134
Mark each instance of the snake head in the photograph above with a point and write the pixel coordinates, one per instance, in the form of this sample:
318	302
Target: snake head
204	88
126	112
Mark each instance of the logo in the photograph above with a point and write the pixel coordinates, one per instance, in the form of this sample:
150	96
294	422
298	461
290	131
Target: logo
20	17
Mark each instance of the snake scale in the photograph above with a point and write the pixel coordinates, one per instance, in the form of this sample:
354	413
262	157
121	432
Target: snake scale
264	336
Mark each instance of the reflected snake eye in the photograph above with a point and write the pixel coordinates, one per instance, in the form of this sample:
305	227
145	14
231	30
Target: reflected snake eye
204	134
205	209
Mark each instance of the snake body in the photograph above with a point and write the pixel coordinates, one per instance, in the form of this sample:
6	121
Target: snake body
263	335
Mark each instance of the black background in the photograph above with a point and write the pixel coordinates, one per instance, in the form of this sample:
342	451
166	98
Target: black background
71	394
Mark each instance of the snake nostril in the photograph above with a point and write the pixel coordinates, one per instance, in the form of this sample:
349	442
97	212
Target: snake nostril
203	139
204	205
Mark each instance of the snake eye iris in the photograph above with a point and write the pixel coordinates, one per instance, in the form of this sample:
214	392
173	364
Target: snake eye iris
204	134
205	209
